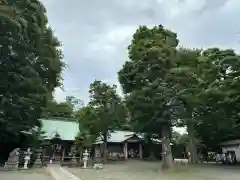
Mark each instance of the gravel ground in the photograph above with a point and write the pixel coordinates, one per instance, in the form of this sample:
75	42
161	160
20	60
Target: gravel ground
36	174
136	170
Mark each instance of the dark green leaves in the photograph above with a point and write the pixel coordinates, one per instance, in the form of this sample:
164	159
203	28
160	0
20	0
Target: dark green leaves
105	111
145	77
30	62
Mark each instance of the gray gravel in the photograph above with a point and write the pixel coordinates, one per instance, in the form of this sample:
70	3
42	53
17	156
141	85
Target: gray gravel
140	170
37	174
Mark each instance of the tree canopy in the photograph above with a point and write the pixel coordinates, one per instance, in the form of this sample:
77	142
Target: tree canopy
104	113
30	65
65	109
220	101
145	80
166	86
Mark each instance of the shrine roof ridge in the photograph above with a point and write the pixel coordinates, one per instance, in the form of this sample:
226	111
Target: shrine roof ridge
59	119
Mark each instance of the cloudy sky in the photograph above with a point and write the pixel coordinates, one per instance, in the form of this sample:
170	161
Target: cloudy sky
95	33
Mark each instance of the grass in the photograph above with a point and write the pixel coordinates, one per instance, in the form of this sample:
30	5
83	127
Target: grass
137	170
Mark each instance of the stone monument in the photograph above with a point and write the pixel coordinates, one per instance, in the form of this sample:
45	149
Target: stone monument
85	158
38	162
13	159
27	158
97	154
73	160
98	162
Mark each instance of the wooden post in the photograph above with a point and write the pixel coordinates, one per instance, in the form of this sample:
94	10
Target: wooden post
125	150
140	152
63	153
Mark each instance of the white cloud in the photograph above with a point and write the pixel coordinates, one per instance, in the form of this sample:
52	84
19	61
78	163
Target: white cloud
60	95
178	8
120	34
231	6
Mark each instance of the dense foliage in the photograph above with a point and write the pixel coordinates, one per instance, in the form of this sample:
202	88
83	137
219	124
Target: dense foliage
104	113
145	80
166	86
219	111
65	109
30	66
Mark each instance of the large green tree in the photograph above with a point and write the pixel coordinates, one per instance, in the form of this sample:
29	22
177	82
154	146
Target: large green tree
202	87
144	79
104	113
206	84
84	140
220	101
30	66
188	77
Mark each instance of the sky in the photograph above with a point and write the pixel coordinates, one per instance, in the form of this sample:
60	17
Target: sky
95	34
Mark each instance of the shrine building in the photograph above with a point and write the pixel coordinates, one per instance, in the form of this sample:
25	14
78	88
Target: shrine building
61	132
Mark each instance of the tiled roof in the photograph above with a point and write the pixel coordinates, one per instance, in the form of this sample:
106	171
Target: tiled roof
117	136
120	136
231	142
67	129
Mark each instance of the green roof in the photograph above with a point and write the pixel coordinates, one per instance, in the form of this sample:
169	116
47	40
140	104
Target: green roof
67	129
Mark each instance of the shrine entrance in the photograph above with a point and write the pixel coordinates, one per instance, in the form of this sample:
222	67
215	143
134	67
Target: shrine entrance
59	152
133	148
56	153
55	150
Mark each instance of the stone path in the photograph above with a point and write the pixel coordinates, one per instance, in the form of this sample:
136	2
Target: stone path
60	173
52	172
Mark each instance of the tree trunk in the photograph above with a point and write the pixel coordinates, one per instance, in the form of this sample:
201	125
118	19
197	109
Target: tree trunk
105	149
81	156
192	143
166	147
1	144
150	147
93	151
